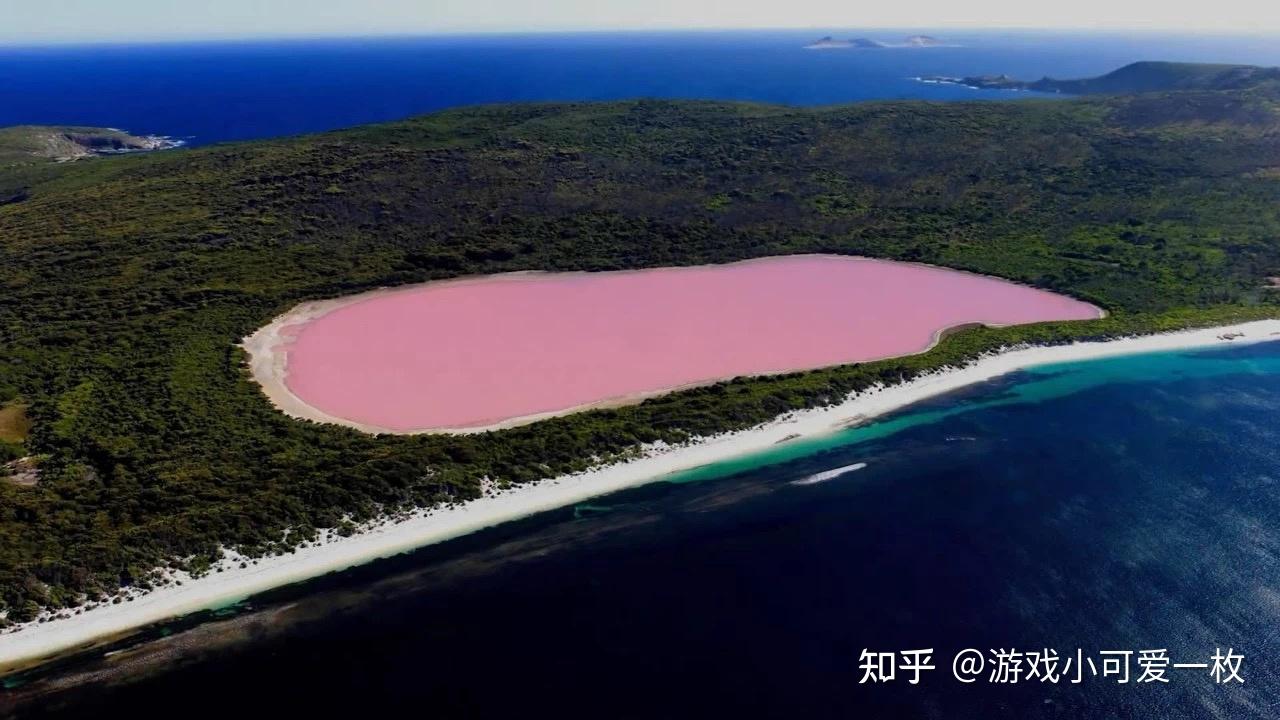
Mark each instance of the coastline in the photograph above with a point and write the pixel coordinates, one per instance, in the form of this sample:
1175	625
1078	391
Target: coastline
268	347
33	642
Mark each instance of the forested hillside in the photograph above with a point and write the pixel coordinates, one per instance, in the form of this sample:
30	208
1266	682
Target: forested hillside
1163	76
126	282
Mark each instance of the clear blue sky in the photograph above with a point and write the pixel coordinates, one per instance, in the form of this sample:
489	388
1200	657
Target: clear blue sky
40	21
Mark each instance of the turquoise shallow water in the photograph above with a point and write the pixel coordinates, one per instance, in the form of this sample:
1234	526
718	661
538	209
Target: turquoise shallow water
1125	504
1028	386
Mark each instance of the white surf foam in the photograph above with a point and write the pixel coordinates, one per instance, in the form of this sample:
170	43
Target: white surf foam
829	474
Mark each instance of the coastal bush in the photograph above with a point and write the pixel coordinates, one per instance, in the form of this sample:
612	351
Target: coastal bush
126	283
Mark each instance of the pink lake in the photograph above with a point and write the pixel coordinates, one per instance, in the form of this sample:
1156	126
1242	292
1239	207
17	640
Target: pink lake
496	350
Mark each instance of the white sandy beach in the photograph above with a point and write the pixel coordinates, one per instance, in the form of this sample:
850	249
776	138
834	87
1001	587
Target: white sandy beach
33	641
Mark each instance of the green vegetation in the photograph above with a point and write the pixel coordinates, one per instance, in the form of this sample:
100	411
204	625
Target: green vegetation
127	281
1140	77
1143	77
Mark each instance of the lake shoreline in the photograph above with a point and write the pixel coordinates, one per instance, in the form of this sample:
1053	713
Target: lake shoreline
269	348
61	633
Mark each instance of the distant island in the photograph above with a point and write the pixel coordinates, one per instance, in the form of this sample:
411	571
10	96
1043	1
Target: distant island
923	41
914	41
42	143
1137	77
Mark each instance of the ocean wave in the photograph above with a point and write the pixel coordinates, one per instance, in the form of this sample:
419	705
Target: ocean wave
829	474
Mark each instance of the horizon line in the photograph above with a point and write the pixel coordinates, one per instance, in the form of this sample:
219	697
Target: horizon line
479	32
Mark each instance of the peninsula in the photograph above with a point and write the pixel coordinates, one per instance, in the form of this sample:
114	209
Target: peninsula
1137	77
42	143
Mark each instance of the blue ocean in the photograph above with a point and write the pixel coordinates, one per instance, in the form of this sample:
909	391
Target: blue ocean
217	92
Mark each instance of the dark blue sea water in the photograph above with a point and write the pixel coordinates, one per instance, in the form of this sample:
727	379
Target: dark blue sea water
232	91
1124	505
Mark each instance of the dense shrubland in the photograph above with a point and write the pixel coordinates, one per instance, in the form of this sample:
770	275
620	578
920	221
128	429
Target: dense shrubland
124	283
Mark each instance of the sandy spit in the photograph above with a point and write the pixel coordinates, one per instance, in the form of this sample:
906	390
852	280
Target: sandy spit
34	641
